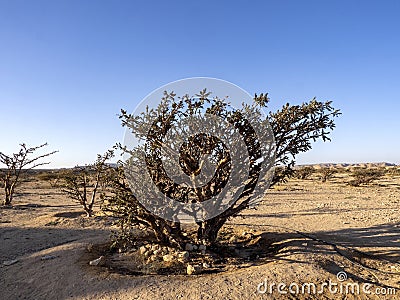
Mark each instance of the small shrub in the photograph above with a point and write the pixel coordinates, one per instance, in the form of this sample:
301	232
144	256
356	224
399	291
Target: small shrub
327	173
365	176
17	167
304	172
82	183
395	171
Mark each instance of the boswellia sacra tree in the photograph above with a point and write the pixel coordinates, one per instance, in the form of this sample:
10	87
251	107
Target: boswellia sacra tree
193	170
16	164
82	183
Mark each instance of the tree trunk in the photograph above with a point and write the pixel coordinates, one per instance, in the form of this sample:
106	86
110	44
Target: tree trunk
208	230
9	191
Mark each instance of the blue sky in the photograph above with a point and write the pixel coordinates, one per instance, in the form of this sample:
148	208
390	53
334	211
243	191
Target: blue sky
68	67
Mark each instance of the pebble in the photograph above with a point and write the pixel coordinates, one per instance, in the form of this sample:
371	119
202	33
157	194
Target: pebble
142	250
192	269
10	262
168	258
48	257
97	261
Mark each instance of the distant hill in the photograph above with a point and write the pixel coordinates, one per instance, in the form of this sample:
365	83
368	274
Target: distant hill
349	165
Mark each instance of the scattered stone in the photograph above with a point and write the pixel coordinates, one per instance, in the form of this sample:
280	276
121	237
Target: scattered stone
89	247
193	269
184	254
154	247
97	262
189	247
10	262
142	250
157	252
205	265
48	257
232	239
168	258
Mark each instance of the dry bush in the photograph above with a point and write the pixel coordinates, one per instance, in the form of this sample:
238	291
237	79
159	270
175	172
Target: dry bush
82	183
17	167
365	176
394	171
304	172
295	127
327	173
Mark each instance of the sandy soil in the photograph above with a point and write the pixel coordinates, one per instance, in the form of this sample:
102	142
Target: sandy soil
319	229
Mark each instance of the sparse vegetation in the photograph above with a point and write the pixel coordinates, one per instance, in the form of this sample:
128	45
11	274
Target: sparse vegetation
53	177
16	165
394	171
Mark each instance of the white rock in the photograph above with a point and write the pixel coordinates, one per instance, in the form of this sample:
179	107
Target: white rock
205	265
168	258
153	258
10	262
142	250
232	239
192	269
97	261
183	255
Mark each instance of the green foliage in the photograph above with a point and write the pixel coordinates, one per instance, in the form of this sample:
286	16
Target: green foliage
295	127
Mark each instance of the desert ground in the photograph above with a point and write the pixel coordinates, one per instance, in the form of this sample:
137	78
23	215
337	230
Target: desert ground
311	231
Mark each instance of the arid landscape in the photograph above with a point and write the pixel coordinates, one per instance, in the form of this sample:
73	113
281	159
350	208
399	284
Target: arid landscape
304	232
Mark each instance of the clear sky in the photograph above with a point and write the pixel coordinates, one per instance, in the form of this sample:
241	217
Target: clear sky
68	67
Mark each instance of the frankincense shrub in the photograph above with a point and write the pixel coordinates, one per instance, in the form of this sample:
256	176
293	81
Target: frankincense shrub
15	166
363	176
295	127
